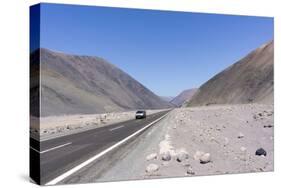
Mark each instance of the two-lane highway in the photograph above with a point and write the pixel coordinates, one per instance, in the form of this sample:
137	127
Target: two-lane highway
60	157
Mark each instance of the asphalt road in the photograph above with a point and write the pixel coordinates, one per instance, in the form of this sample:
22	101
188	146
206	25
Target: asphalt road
59	155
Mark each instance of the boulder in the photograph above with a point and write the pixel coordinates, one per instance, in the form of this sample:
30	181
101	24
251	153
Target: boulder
152	168
260	152
151	156
198	155
181	156
166	156
205	158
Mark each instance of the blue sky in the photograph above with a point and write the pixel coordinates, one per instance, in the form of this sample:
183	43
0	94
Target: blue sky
166	51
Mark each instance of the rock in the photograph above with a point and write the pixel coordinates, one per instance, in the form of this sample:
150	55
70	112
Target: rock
260	152
243	149
166	156
151	156
213	139
226	141
152	168
268	126
182	156
240	135
205	158
190	170
198	155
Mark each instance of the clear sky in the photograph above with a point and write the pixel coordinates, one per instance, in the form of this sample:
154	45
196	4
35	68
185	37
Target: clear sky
166	51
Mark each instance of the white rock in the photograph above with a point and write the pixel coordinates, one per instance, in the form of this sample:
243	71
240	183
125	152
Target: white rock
243	149
198	155
151	156
205	158
152	168
181	156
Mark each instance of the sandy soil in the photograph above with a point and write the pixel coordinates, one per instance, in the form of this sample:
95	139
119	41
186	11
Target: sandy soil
54	126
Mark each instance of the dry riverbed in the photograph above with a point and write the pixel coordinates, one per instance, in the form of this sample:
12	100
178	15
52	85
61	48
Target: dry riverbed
54	126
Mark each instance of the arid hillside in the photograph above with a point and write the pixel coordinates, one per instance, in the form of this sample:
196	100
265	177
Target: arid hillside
250	80
184	96
72	84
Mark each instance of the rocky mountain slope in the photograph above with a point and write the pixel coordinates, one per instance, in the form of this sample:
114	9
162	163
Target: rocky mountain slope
166	98
184	96
249	80
72	84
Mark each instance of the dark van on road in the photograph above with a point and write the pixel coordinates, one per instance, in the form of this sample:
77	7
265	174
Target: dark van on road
140	114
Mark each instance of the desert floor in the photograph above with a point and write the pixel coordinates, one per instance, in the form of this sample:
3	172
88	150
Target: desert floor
201	141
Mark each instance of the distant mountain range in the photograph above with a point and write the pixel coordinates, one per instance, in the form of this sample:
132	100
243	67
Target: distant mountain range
250	80
166	98
72	84
184	96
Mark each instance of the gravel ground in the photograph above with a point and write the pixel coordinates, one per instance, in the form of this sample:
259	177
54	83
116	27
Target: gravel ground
202	141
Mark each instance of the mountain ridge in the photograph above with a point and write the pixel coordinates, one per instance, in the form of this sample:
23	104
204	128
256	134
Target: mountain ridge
184	96
250	80
73	84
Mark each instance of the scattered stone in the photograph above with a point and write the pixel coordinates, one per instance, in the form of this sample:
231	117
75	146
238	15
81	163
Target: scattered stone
205	158
190	170
166	156
152	168
243	149
240	135
151	156
226	141
182	156
260	152
268	126
198	155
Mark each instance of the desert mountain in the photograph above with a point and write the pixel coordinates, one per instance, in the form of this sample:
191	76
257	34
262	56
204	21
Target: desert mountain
72	84
166	98
184	96
249	80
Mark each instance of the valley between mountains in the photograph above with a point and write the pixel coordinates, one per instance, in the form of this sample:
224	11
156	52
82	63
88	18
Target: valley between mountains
224	126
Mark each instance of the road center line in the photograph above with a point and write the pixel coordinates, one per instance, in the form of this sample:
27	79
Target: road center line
116	128
47	150
94	158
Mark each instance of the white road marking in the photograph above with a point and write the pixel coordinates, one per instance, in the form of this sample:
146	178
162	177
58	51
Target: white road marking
94	158
47	150
34	149
116	128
